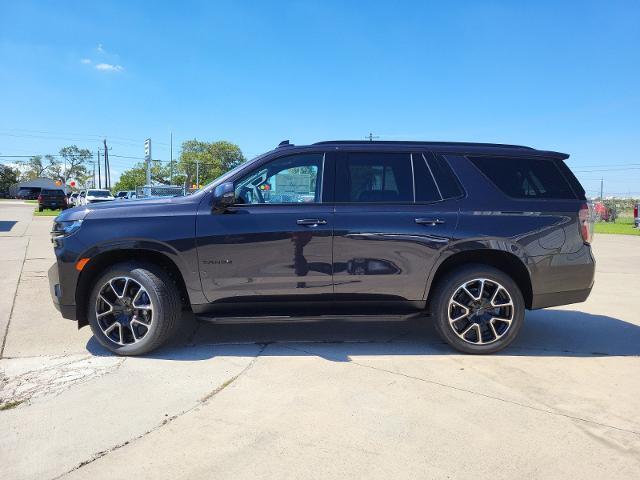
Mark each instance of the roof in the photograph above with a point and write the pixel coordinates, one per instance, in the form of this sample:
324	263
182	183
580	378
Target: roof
420	143
466	148
41	182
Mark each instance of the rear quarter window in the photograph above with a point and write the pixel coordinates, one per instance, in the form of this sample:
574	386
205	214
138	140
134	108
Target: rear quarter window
526	177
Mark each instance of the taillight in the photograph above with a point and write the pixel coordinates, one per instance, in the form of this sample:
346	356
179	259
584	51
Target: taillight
635	211
585	220
39	198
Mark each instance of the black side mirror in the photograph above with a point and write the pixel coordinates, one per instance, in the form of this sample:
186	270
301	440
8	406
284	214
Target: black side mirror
224	196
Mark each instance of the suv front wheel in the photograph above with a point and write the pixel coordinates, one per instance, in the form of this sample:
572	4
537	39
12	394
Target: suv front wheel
478	309
134	308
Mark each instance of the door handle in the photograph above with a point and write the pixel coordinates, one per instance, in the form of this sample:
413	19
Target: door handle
311	222
429	221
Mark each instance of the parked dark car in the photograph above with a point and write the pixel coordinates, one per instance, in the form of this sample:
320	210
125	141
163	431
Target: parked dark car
52	199
472	234
28	193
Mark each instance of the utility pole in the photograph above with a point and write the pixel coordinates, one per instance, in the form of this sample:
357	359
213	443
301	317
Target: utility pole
99	178
601	189
107	170
171	161
370	137
93	184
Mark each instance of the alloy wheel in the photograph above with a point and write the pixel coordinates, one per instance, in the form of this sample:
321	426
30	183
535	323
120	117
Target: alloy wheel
480	311
124	311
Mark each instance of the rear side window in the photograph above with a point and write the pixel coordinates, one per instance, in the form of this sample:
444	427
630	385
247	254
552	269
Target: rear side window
426	189
447	182
375	178
525	177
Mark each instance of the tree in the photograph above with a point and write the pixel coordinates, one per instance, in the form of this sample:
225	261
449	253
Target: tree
36	167
75	160
137	176
8	177
214	159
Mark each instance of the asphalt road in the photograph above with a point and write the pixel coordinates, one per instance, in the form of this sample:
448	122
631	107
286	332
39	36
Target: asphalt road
326	400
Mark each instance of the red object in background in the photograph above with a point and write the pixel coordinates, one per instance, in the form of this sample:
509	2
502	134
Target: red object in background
73	184
635	211
602	211
39	198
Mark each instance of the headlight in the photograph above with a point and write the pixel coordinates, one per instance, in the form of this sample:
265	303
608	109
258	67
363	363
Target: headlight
65	228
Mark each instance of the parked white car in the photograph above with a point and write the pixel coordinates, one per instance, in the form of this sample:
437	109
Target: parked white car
95	196
73	199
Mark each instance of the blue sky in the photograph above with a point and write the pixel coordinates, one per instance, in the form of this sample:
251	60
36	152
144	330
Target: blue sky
553	75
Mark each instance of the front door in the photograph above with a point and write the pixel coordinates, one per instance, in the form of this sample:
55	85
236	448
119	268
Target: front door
391	222
275	242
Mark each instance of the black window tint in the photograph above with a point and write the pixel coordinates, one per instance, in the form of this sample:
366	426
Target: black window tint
444	176
375	178
426	190
525	177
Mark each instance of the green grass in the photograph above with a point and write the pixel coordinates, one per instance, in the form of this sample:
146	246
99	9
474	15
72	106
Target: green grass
47	213
623	226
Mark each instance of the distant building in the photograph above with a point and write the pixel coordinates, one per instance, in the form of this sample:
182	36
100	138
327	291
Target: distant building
40	182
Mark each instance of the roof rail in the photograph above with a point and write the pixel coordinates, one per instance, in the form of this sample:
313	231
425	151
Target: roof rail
396	142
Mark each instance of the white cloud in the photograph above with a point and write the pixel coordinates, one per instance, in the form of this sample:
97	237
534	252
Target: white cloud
86	61
108	67
100	48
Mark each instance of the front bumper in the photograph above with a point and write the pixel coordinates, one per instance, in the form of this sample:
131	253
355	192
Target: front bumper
55	288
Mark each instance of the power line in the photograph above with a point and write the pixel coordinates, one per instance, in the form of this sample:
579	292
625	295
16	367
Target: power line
69	136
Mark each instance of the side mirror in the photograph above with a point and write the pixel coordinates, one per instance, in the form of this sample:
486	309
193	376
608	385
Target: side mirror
224	196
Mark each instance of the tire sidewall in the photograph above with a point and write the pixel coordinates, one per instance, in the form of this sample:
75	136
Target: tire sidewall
452	282
140	275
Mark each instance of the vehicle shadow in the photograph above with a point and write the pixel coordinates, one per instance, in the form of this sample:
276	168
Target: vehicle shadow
545	333
6	225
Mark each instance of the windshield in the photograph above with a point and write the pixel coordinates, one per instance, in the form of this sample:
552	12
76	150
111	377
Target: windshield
98	193
52	192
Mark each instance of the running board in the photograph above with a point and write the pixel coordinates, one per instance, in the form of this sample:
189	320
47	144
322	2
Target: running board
307	318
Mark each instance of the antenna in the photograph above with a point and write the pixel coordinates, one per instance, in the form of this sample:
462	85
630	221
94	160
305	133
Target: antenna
371	137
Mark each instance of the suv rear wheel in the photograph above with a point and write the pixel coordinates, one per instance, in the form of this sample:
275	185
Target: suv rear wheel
134	308
478	309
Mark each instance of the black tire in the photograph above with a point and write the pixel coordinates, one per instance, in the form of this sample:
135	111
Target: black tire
164	297
450	284
40	209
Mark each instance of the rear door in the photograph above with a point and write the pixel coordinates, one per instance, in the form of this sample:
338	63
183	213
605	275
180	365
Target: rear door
391	222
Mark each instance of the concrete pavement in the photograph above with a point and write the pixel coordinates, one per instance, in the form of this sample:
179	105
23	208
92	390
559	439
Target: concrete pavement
334	400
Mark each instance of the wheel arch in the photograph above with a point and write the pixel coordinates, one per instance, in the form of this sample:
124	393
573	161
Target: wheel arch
504	261
99	262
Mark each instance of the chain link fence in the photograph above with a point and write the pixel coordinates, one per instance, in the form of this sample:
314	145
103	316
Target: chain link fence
149	191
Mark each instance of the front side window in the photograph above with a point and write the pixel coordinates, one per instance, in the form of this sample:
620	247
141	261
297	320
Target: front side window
375	178
292	179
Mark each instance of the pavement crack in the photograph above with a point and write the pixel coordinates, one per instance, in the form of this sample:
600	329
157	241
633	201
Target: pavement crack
5	334
203	401
484	395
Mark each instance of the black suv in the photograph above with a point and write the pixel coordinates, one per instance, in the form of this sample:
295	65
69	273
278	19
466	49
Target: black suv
52	198
471	234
